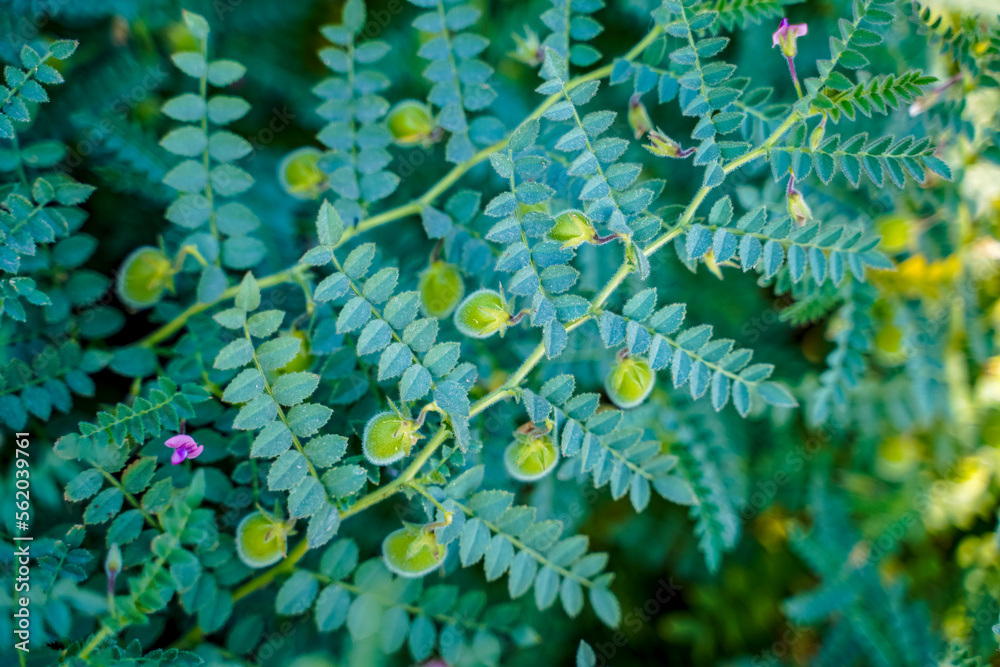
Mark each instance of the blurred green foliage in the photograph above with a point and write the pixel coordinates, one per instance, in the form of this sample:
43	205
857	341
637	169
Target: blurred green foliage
629	336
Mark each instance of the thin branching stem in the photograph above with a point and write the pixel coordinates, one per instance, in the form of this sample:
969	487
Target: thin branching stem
400	212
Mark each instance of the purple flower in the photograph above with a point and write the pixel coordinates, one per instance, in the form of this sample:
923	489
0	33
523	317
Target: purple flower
786	34
184	447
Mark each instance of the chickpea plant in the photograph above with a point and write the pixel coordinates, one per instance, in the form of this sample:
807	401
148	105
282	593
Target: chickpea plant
317	390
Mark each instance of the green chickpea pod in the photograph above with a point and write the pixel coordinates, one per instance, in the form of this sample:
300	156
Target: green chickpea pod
629	381
483	313
299	174
143	278
413	551
531	457
388	437
441	288
262	539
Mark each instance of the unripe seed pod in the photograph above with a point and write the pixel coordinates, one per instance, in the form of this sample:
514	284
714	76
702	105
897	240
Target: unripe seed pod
816	136
531	457
798	209
113	562
388	438
482	314
303	358
897	457
412	551
572	228
897	232
890	348
441	288
629	382
410	122
261	540
638	117
178	38
300	175
145	274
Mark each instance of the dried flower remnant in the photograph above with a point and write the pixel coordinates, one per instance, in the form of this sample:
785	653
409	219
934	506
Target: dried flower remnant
112	566
528	48
785	37
933	96
664	146
797	206
638	117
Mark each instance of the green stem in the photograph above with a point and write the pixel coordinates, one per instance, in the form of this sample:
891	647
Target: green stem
95	641
29	75
143	583
174	325
191	250
419	488
508	388
128	496
281	412
538	556
413	208
408	475
287	564
623	271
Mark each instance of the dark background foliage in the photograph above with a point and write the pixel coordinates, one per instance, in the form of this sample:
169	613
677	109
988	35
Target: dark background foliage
786	471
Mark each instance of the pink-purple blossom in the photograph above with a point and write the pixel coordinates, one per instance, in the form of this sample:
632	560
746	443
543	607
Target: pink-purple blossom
786	34
184	447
